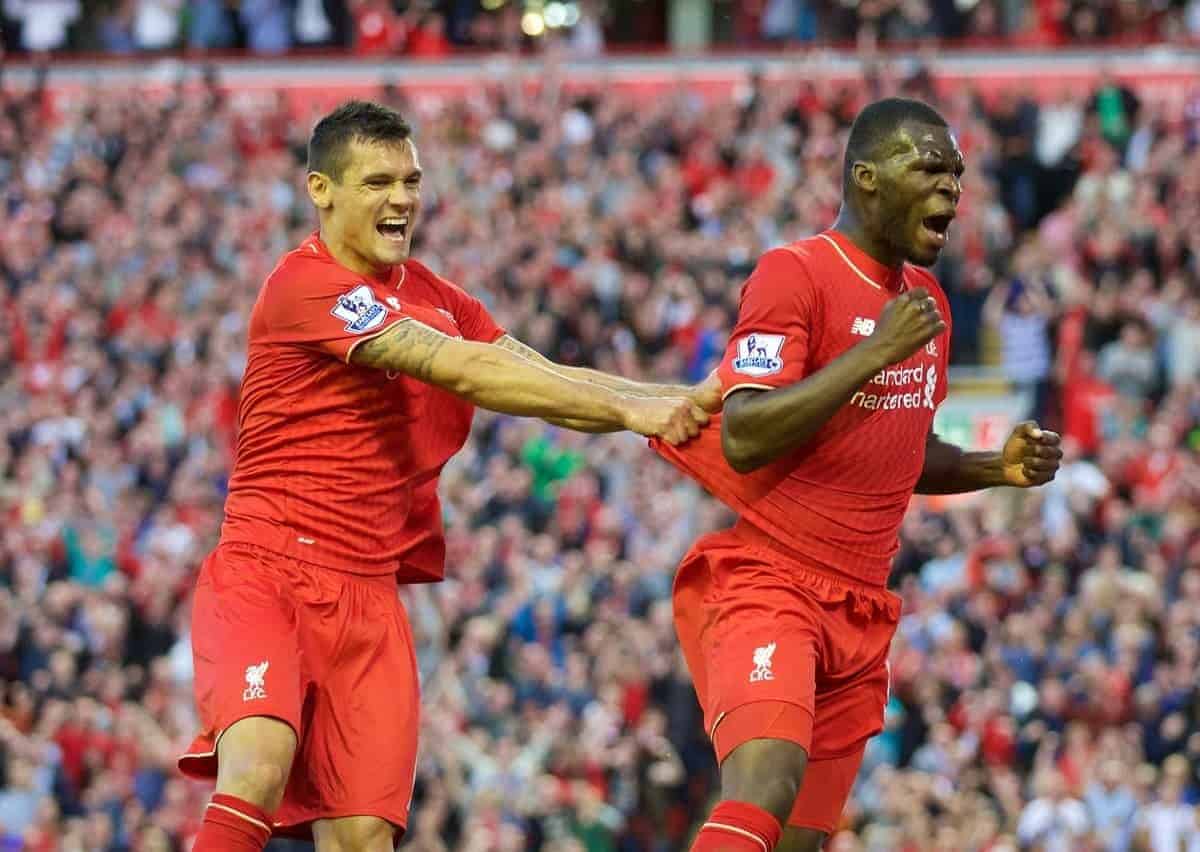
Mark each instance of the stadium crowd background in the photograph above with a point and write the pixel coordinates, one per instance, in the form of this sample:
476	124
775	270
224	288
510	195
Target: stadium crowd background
437	28
1044	676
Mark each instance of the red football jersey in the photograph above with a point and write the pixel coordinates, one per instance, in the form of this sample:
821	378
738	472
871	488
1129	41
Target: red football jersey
837	501
337	464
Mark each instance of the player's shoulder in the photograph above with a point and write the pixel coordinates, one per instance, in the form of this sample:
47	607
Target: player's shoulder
805	259
786	265
416	272
307	263
785	274
438	290
800	253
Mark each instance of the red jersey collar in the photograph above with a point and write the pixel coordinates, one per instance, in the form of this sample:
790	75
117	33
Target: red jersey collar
394	277
863	265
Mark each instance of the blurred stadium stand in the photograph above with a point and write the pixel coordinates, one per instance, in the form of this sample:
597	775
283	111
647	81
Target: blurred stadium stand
606	209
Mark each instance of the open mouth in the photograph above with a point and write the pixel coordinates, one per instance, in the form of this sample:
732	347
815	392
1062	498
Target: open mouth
938	227
394	228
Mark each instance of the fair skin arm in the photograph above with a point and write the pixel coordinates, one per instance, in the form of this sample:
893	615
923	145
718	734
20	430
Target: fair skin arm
494	378
706	394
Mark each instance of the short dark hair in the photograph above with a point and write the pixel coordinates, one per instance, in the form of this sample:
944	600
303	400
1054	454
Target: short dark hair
877	122
355	120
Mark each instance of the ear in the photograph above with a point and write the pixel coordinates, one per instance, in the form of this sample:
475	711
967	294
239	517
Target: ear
320	190
865	176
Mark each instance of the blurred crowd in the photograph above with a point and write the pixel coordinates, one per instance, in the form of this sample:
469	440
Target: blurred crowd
431	29
1045	673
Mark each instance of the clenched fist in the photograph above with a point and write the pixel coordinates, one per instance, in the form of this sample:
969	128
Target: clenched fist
908	322
673	419
1031	455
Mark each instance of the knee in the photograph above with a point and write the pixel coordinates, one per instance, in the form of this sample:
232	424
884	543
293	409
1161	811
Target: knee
766	773
354	834
255	760
258	781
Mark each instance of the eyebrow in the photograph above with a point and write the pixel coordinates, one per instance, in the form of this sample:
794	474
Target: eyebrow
374	176
955	159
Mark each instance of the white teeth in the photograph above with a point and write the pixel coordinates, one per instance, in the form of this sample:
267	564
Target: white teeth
395	220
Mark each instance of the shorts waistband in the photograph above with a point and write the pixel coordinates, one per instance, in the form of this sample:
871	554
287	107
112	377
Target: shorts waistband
866	598
388	580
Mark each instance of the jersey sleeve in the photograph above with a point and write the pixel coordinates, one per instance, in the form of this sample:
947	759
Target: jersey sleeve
769	346
327	312
473	319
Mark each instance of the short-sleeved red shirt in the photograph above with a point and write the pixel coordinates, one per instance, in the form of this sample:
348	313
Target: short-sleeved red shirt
337	464
838	500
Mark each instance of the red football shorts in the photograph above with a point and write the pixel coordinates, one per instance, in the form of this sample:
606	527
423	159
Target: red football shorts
330	654
780	650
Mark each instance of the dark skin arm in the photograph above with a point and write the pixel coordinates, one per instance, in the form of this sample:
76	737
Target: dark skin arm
1030	457
760	426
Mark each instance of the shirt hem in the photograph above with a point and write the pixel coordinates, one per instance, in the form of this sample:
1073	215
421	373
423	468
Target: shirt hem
341	566
818	560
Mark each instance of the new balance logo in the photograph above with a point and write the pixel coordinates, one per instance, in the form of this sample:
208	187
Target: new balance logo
762	663
931	348
256	677
862	326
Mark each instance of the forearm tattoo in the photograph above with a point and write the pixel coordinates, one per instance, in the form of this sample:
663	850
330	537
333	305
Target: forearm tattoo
409	346
617	384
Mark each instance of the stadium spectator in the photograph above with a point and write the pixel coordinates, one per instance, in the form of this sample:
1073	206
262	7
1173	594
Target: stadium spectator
1053	821
1112	808
43	24
590	25
1021	313
1129	363
156	23
209	25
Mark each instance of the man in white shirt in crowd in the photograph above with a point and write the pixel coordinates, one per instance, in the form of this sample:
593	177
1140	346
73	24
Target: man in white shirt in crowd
1169	824
1053	822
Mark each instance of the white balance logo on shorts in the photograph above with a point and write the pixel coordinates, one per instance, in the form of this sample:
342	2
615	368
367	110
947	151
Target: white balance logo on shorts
762	663
256	677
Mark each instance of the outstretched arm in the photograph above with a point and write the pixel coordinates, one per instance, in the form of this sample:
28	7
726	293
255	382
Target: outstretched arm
494	378
706	394
1030	457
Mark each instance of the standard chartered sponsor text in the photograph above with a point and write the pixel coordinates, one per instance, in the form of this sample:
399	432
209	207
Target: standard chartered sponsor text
893	377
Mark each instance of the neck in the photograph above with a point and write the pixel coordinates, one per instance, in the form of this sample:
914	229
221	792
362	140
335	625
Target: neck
347	256
850	224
